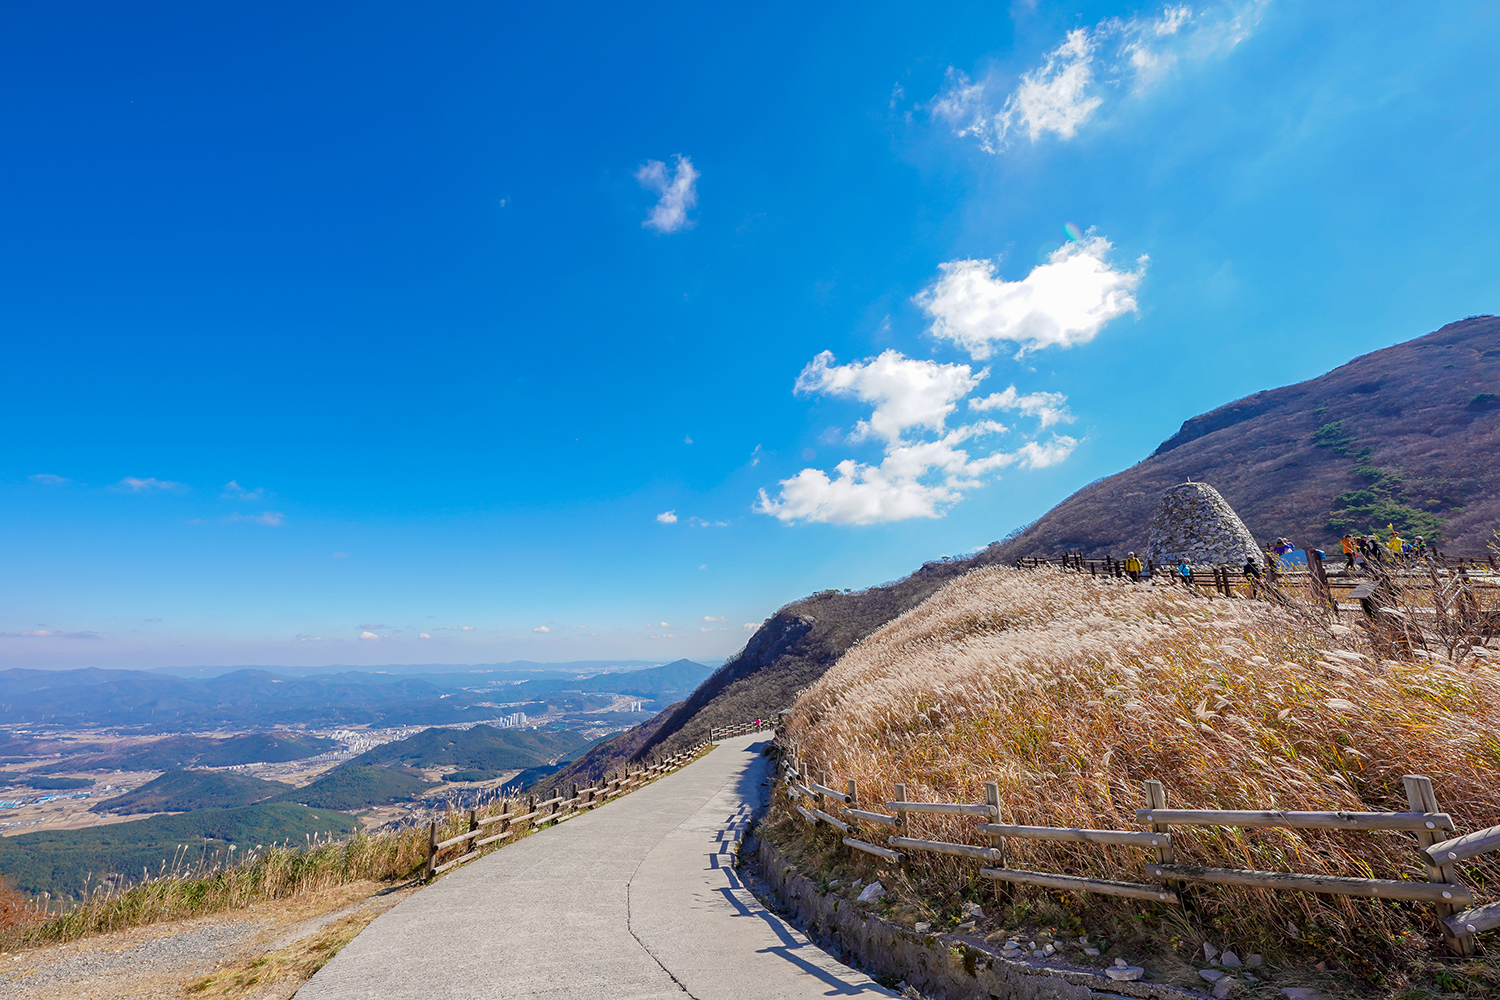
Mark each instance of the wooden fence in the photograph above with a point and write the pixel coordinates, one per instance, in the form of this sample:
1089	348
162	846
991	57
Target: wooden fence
1438	847
725	732
519	816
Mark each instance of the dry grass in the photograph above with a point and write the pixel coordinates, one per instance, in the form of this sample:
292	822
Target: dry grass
290	966
1069	692
271	874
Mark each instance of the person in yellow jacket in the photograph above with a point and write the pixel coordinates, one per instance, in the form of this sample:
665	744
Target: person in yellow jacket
1396	545
1133	567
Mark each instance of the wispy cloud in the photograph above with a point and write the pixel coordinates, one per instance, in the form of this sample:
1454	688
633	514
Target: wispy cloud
1048	407
667	517
699	522
270	518
1092	66
1062	303
48	479
234	491
711	618
678	191
46	633
541	628
135	485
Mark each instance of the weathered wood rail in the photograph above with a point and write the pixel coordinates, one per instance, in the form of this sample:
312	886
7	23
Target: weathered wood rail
743	729
1458	918
519	816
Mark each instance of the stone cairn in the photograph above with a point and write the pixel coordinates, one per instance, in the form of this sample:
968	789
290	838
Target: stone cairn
1195	525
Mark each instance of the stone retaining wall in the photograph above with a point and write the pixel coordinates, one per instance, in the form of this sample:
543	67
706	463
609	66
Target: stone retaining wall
947	966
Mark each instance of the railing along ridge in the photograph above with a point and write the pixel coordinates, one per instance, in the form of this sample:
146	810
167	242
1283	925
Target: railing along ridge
518	815
1438	847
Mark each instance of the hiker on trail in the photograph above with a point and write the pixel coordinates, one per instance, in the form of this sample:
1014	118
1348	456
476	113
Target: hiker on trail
1395	544
1185	574
1348	543
1133	567
1252	570
1419	548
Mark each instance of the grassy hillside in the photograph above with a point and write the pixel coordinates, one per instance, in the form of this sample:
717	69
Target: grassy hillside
1390	437
352	787
184	791
482	747
61	861
1070	692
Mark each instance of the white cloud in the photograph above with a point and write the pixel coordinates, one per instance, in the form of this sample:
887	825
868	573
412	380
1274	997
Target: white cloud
667	517
926	466
663	625
48	479
466	628
1048	407
749	626
146	485
906	392
234	491
1090	67
541	628
711	618
701	523
424	635
1062	303
368	635
679	192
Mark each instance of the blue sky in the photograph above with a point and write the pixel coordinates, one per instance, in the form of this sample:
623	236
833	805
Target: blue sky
364	333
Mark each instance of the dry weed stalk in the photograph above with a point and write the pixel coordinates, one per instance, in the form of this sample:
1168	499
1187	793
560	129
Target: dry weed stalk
1069	692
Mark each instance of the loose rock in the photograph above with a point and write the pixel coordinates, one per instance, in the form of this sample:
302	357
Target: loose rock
1223	988
922	927
1229	960
1125	973
1209	951
1212	975
874	892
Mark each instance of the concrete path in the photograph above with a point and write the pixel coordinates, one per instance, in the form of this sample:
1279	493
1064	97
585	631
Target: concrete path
637	899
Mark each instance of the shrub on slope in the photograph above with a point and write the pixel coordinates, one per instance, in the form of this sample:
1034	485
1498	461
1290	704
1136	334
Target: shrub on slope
1069	692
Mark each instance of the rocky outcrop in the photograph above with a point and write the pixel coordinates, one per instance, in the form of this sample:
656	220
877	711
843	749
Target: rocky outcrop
1195	525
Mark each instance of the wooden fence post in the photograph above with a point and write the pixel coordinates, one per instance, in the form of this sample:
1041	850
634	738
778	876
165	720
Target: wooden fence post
431	850
900	797
1421	799
1003	889
852	791
1156	798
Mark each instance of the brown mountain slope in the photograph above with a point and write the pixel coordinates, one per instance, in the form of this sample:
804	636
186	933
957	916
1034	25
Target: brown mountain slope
1407	435
787	653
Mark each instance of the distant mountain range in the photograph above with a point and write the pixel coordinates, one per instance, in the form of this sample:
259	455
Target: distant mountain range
250	699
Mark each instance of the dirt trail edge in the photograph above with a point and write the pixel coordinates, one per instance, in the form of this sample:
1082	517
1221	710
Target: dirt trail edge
638	899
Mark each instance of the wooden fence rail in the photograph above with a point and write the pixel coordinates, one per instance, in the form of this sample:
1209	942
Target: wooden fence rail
813	800
725	732
518	815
